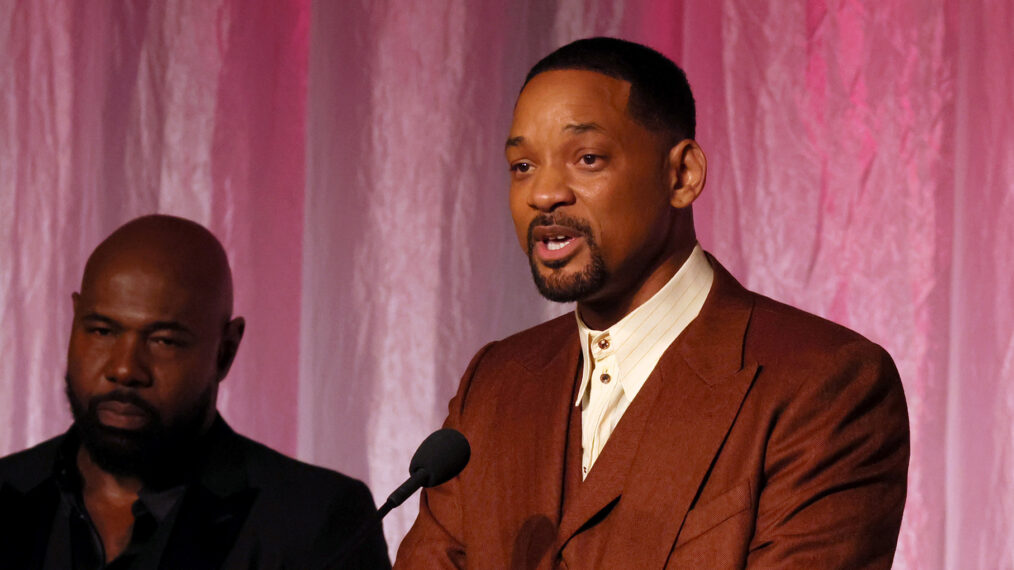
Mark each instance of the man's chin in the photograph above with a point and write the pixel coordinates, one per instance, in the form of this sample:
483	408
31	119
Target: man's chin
563	285
118	454
119	437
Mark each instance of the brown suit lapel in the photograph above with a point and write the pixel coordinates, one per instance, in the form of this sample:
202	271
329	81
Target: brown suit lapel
663	454
705	381
534	455
606	480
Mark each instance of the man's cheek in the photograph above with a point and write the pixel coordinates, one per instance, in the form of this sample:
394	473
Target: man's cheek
522	232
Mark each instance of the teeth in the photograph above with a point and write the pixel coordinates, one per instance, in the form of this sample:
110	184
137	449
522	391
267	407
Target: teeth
555	245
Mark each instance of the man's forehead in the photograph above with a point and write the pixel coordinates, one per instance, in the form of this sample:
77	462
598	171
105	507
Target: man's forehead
148	292
572	99
575	85
137	279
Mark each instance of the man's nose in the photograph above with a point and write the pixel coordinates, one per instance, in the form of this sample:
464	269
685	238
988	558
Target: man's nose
550	189
128	363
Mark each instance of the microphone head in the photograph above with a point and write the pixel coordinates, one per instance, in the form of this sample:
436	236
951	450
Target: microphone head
440	456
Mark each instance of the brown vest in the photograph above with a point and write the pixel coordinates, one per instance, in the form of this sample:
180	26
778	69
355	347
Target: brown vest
618	454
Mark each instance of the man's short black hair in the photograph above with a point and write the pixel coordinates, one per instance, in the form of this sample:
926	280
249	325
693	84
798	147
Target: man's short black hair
660	97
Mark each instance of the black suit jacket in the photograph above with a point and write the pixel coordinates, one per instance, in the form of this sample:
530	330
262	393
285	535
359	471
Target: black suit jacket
247	507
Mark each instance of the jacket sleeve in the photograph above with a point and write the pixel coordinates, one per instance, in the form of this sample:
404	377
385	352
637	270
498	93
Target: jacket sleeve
835	469
437	538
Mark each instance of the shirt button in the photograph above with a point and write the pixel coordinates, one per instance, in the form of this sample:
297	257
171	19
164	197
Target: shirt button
605	378
604	343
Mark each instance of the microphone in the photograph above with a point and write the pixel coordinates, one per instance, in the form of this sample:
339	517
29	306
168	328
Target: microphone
438	459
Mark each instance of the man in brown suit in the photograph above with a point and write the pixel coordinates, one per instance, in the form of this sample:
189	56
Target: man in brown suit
677	420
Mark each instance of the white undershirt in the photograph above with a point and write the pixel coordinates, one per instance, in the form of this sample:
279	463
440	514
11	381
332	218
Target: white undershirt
618	360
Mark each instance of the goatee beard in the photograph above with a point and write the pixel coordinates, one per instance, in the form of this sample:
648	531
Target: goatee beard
154	452
566	288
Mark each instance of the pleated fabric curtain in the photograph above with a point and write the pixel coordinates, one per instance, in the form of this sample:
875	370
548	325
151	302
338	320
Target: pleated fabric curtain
350	157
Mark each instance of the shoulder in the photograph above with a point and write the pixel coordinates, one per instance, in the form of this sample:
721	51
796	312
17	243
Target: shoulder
818	365
535	345
513	367
529	351
785	342
781	334
301	511
279	474
27	468
288	489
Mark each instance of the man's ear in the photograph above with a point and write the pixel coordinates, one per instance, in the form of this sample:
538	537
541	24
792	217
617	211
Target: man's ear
687	169
231	336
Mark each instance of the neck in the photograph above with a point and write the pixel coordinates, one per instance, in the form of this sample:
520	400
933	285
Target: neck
99	481
163	467
602	312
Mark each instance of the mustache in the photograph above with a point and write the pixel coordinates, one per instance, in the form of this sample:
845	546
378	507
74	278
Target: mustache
559	219
124	397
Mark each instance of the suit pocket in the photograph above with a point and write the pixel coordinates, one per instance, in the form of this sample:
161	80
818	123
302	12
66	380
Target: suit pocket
705	517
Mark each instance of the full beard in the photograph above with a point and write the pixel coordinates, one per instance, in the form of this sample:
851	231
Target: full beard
150	453
556	286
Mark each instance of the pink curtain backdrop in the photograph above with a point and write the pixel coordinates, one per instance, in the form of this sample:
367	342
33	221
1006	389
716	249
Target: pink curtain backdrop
349	155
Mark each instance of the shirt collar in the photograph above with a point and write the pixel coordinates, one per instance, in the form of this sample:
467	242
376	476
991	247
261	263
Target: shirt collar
648	320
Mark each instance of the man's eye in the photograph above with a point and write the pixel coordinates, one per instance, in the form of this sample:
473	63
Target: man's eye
163	341
590	159
521	167
99	331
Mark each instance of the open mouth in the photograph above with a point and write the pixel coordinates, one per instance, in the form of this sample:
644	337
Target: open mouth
555	243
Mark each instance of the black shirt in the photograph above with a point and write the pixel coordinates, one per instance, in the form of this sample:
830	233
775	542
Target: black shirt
236	504
74	542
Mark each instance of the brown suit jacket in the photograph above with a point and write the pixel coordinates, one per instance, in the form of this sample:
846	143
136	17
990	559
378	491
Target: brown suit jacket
765	437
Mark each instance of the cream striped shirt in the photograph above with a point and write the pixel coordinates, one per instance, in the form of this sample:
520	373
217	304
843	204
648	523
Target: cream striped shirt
618	360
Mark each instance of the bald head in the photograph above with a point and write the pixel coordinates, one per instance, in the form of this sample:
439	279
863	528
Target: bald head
168	248
153	336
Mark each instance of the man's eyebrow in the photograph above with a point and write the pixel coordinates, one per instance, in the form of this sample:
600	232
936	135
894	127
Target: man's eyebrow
169	326
579	128
100	318
155	326
575	128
